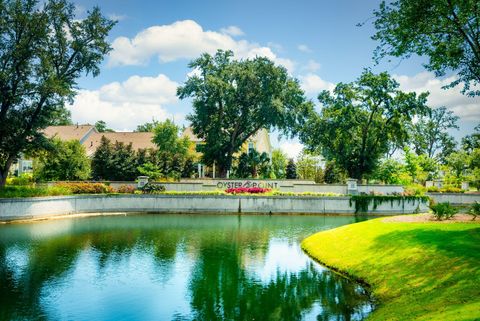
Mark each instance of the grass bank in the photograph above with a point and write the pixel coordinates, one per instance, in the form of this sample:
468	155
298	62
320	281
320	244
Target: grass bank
417	271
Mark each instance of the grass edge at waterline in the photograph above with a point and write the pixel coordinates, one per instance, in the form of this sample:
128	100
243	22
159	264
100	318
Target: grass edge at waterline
416	271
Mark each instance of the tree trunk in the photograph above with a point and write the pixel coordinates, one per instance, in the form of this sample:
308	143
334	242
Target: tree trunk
4	172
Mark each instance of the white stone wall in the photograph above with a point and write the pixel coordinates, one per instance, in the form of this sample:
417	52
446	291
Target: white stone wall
455	198
48	206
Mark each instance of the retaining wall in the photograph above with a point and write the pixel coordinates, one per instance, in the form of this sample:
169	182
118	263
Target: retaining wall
296	186
11	209
455	198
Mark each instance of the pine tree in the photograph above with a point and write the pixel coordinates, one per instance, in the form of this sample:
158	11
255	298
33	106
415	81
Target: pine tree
291	169
102	160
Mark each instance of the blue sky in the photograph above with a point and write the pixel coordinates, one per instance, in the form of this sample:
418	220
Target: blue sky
318	41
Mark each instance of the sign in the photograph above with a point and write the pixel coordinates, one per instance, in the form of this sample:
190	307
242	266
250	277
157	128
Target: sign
246	184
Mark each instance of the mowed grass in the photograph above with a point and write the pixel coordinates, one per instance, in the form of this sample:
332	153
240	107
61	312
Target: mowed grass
417	271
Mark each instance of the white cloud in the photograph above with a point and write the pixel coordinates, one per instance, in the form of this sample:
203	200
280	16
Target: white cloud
117	17
304	48
313	84
183	40
125	105
467	108
311	66
291	148
233	31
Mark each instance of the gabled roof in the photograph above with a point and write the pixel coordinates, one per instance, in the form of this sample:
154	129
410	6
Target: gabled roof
69	132
139	140
188	132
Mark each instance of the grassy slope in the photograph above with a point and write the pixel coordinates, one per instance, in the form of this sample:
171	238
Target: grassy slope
418	271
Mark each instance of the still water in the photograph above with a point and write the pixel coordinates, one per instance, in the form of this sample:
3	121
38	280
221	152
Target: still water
172	267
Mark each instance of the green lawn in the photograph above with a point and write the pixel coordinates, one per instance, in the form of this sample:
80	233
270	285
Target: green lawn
417	271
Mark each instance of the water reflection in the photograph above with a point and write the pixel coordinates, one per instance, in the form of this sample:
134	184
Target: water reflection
171	267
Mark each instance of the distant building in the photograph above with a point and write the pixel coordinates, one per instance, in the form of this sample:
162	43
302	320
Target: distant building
90	138
260	142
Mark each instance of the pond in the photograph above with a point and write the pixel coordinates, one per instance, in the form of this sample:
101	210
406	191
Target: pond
172	267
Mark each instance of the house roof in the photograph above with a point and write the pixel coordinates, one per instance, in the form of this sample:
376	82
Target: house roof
138	140
188	132
68	132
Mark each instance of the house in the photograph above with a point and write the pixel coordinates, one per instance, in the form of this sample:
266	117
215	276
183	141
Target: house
90	138
260	142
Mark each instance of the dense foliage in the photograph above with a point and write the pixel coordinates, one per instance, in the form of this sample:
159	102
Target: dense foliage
291	170
64	161
253	165
44	49
360	120
447	32
443	211
234	99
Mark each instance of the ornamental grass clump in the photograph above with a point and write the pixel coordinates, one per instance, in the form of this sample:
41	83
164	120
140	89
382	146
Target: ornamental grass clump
475	210
248	190
443	211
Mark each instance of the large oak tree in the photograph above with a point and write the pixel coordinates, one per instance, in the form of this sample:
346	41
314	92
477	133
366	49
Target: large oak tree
359	121
44	49
447	32
233	99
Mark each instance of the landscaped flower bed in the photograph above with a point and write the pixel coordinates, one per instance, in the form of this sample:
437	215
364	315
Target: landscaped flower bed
248	190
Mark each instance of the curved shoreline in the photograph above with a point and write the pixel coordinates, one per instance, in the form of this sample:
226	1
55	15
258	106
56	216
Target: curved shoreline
404	266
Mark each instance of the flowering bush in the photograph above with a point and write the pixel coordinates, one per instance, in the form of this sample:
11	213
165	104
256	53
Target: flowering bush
86	188
248	190
126	189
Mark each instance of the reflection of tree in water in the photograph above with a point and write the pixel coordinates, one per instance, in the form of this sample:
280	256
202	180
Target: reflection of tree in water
223	290
49	259
220	285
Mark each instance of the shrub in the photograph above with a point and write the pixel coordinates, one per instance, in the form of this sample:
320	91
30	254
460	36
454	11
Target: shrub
151	188
86	188
126	189
433	189
443	210
414	190
31	191
247	190
475	210
451	189
22	180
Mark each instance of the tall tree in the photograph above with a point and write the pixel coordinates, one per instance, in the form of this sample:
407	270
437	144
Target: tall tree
147	127
429	134
471	142
291	170
308	167
44	49
168	140
445	31
279	163
67	160
232	100
359	121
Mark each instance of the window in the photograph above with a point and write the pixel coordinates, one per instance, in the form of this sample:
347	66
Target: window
250	147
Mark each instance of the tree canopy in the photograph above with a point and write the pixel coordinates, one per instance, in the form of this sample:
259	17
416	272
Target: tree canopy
44	49
359	120
429	133
234	99
66	160
445	31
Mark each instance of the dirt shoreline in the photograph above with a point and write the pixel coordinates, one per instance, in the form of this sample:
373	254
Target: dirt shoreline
429	218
